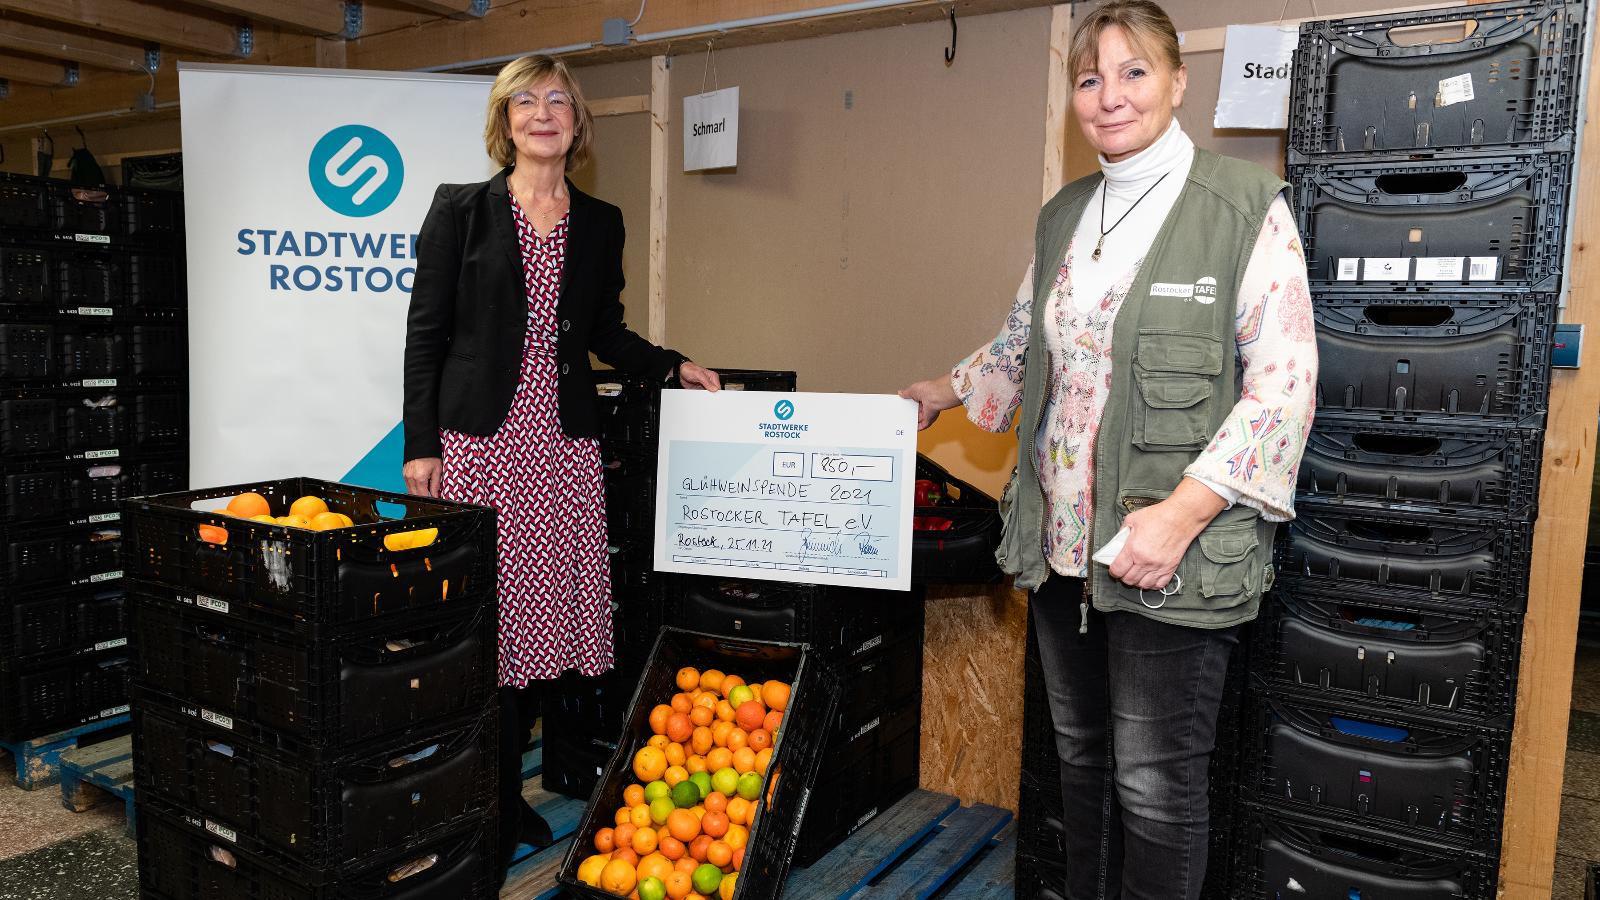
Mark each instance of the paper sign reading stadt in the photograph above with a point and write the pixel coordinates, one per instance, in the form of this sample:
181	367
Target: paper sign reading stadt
810	488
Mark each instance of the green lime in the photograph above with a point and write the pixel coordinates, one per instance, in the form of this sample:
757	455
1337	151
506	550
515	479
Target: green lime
685	794
661	807
656	790
702	780
707	878
725	781
652	888
749	785
740	695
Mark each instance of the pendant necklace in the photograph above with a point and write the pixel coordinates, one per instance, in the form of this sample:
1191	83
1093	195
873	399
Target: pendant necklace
1103	229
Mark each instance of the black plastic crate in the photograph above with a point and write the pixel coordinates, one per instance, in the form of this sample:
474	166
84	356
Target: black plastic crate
955	530
42	697
1360	86
29	426
27	350
1509	208
88	351
50	626
177	862
342	575
25	276
1279	852
158	349
88	279
80	490
153	280
1414	779
321	813
24	202
629	406
1483	562
1434	355
797	751
80	210
855	789
1382	649
583	718
152	214
314	689
160	419
840	623
46	558
1360	461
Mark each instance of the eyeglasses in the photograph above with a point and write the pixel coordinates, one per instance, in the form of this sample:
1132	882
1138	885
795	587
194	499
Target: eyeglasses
556	101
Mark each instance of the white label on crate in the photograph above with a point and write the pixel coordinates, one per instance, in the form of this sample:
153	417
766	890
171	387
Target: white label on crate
102	454
113	711
1349	269
1440	268
211	603
98	382
1455	90
94	310
869	644
92	238
105	517
1483	268
217	719
105	576
222	831
107	645
1387	268
867	727
805	800
865	818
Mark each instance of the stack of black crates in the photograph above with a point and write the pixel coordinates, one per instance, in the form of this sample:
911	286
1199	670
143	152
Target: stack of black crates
1431	162
93	408
313	712
584	716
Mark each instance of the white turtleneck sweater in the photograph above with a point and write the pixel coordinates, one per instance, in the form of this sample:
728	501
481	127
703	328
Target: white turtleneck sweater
1254	456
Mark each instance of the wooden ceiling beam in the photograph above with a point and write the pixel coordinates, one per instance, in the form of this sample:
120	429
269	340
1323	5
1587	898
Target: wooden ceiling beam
324	18
61	43
156	22
32	71
459	9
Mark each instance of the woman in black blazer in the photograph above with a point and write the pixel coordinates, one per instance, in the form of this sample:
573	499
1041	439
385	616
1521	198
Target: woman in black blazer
518	280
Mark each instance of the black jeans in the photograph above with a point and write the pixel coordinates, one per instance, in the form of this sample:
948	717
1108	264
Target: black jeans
1134	703
519	710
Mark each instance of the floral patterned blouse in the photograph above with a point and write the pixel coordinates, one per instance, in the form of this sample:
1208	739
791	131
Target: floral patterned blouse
1253	457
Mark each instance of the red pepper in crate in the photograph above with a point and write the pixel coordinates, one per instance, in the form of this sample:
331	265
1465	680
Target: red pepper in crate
931	523
927	492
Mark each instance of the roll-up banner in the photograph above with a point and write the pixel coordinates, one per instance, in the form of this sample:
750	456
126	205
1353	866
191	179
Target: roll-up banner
304	190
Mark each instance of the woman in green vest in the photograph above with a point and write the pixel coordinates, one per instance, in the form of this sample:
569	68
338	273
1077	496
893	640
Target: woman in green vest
1160	351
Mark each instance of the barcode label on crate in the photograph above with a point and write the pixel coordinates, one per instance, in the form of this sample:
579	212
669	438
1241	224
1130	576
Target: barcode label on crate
868	645
107	645
92	238
98	382
105	517
211	603
866	817
1455	90
115	710
102	454
94	310
1483	268
105	576
867	728
222	831
217	719
1349	269
1439	268
1386	268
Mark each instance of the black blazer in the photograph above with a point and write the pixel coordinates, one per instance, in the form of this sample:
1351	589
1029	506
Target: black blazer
464	334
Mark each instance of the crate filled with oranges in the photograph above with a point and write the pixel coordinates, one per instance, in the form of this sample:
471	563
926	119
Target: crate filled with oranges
705	794
306	550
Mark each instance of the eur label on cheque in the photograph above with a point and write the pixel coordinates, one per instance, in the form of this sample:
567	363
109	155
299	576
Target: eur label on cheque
801	487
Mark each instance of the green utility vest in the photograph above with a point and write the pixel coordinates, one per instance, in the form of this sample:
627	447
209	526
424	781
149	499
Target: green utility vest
1175	377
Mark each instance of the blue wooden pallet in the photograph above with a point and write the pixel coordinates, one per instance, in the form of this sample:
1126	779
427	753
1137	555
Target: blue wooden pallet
39	759
926	845
90	775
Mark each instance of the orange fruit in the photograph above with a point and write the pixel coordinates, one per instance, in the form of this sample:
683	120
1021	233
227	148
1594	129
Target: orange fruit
676	726
644	841
701	716
655	865
295	521
719	758
675	775
249	504
760	739
737	836
682	703
729	682
730	883
724	711
697	847
776	695
719	854
719	733
738	858
624	815
324	521
772	721
739	811
706	699
714	824
622	835
763	759
658	741
716	801
633	795
627	855
658	718
675	754
744	760
688	678
738	738
308	506
750	715
618	877
213	534
605	840
270	520
639	816
700	741
589	870
679	884
683	825
696	762
711	680
686	865
670	847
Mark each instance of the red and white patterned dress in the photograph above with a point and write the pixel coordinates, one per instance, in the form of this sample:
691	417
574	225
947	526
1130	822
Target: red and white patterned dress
549	497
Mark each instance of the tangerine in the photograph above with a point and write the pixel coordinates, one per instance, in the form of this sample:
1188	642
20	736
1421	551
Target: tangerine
730	883
738	738
658	718
696	763
719	854
719	758
605	840
688	678
670	847
697	847
687	864
763	759
738	858
760	739
715	824
711	680
249	504
724	711
658	741
729	682
683	825
627	855
682	703
737	836
655	865
649	763
676	725
772	721
270	520
744	760
675	754
701	716
776	695
675	775
618	877
622	835
589	870
308	506
707	699
325	521
739	811
750	715
624	815
680	882
294	521
644	841
716	801
639	816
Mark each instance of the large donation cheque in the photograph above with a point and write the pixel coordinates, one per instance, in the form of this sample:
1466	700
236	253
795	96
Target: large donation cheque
802	487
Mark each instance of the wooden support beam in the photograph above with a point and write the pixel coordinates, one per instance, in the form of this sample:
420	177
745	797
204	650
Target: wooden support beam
1057	101
319	17
330	53
156	22
620	106
61	43
32	71
660	123
458	9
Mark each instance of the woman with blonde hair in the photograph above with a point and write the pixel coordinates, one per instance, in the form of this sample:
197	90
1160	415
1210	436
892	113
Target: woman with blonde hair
1161	352
518	281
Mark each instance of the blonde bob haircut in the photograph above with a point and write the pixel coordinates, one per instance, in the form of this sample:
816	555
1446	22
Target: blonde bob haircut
1147	26
518	76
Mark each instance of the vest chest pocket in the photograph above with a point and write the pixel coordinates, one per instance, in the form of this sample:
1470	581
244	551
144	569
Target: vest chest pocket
1174	412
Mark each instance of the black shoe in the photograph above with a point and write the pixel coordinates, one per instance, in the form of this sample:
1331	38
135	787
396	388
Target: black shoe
533	830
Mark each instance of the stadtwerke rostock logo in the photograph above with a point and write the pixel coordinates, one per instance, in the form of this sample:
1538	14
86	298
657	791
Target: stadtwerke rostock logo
784	410
356	170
